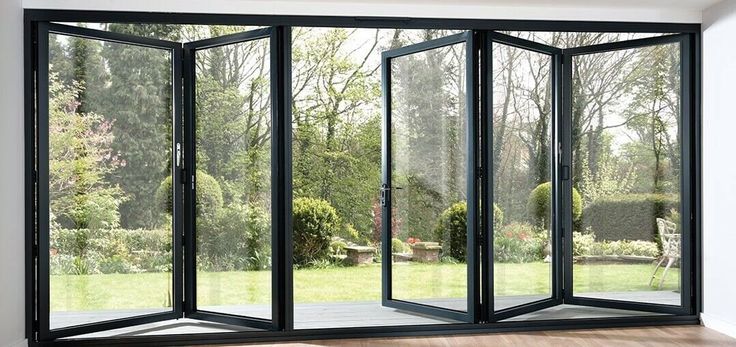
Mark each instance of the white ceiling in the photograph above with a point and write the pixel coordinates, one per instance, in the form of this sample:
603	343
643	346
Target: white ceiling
671	4
681	11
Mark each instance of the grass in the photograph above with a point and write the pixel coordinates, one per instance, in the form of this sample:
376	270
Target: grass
411	281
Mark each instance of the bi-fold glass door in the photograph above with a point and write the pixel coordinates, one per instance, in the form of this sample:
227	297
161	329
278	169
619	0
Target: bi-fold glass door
430	173
521	82
107	123
582	157
646	208
468	118
231	239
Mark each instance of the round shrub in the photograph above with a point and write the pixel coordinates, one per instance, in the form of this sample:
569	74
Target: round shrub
209	196
451	229
315	223
539	201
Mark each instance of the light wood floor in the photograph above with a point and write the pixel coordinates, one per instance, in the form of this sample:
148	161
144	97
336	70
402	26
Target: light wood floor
650	336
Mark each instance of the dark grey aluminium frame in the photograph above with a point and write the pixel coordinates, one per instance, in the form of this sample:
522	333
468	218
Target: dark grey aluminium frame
41	247
472	315
688	200
35	18
275	35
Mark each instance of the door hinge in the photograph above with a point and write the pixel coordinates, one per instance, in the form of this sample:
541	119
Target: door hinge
35	251
183	177
34	176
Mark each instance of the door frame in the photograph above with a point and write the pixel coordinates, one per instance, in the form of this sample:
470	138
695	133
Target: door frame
470	39
686	173
41	248
279	46
556	289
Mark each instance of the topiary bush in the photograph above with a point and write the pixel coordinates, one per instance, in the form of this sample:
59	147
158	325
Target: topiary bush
628	217
315	223
209	196
538	204
451	229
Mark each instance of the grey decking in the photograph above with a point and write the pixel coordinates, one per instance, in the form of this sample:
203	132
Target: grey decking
357	314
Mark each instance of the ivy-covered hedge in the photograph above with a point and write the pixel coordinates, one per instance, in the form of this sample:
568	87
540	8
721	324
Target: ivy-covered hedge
627	217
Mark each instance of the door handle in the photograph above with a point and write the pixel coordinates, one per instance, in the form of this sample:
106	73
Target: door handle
385	188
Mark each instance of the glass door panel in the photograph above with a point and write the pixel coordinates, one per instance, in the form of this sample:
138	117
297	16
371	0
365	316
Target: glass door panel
627	235
230	174
523	164
429	189
107	107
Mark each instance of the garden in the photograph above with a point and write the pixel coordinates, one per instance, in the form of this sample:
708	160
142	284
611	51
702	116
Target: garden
110	165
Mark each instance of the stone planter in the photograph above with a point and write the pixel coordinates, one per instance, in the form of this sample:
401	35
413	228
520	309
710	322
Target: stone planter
613	259
359	255
402	257
426	252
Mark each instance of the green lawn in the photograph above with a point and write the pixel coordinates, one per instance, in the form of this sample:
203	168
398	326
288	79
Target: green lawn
411	281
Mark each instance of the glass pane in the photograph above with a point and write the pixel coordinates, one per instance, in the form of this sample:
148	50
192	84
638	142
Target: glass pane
522	164
336	167
428	149
233	149
110	126
626	175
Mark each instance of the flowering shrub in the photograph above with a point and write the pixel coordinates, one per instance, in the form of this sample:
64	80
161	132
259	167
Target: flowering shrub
519	243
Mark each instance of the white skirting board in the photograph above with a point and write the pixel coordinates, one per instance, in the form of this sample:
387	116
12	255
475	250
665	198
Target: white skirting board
718	324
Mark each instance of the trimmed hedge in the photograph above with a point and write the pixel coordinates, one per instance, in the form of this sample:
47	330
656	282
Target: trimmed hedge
628	217
451	229
104	251
315	223
539	202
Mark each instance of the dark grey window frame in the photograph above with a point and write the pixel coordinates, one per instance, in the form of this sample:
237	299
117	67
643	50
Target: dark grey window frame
283	317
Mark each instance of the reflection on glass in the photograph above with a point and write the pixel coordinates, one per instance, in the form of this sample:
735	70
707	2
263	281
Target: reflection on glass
522	162
626	169
233	139
110	125
428	148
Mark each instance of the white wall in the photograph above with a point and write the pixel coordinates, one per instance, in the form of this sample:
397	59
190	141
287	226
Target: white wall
719	123
12	273
719	167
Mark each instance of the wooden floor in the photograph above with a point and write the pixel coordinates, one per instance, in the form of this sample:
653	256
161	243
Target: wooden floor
650	336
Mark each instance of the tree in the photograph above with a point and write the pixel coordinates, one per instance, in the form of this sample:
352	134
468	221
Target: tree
139	101
80	158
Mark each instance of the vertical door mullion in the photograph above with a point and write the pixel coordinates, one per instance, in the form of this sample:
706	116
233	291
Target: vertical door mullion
558	208
281	200
473	173
686	193
188	173
565	185
42	213
486	135
176	168
385	193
